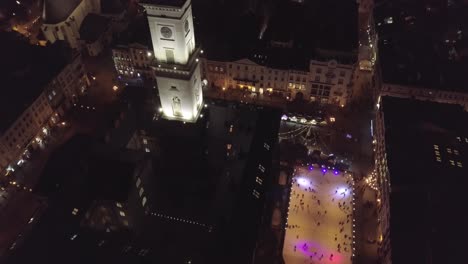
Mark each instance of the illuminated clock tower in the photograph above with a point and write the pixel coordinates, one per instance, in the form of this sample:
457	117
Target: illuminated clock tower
177	67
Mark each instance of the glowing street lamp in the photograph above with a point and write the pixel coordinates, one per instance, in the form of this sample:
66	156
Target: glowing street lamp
115	88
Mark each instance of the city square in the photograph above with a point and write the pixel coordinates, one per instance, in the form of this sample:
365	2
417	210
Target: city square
320	217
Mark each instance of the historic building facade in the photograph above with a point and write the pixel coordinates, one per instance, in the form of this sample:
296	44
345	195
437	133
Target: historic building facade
176	64
324	82
63	18
33	125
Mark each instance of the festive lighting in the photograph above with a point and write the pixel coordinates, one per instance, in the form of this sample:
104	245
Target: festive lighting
371	180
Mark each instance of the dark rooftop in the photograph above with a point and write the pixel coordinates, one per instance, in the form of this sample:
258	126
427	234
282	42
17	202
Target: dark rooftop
190	177
113	6
56	11
235	35
423	189
423	43
137	32
93	26
25	72
176	3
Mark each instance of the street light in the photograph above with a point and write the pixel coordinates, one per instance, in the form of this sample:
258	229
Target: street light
115	88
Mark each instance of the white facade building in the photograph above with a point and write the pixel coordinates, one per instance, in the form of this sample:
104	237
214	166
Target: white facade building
177	67
327	82
63	18
31	126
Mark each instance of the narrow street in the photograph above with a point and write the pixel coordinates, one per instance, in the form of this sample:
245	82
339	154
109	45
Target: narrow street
89	116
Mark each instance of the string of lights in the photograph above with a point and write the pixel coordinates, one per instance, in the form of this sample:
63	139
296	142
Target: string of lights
371	180
186	221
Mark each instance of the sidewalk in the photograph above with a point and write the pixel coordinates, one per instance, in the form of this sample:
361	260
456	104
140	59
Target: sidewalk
366	217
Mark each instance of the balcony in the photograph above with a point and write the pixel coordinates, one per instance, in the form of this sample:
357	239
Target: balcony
180	71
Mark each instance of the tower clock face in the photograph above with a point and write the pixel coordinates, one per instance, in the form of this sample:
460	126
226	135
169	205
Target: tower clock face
166	32
186	26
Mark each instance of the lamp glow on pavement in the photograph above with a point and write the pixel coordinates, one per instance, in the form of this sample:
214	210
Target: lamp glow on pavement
303	182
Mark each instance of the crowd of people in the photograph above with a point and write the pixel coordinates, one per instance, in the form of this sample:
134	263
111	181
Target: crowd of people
320	205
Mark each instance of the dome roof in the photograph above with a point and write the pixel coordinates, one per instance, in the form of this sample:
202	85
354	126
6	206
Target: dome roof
56	11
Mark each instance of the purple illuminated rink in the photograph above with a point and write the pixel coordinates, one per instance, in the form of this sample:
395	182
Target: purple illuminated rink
312	247
309	232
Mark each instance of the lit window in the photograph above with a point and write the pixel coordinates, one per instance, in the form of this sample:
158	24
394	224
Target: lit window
145	141
452	162
75	211
122	213
455	152
265	145
449	150
143	201
259	180
260	167
256	194
73	237
141	191
436	146
459	164
438	159
231	128
119	205
147	149
437	153
228	146
138	182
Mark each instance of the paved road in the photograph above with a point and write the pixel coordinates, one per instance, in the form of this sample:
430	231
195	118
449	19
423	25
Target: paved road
245	97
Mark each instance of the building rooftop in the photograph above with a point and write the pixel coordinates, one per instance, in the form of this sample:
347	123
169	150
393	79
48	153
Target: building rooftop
93	26
136	32
427	155
198	197
279	30
423	43
113	6
175	3
26	73
218	32
56	11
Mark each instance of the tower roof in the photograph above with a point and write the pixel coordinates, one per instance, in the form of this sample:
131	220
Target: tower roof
56	11
175	3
